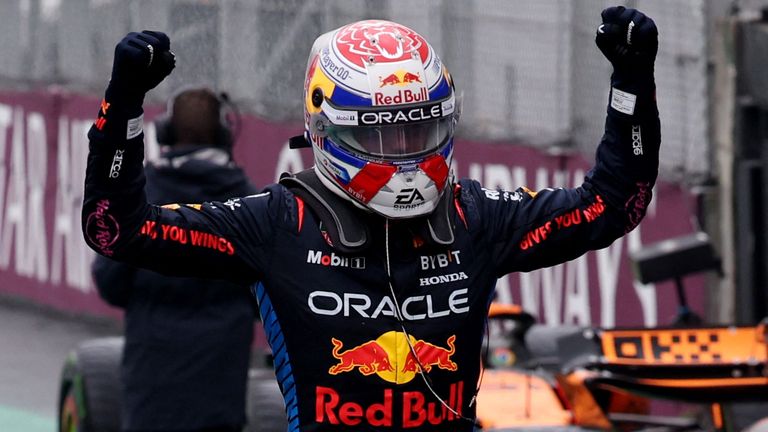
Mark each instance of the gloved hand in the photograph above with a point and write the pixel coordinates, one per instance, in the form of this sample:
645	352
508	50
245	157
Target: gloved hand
629	40
142	61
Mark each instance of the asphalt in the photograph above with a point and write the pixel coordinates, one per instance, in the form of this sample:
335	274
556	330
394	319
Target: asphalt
33	345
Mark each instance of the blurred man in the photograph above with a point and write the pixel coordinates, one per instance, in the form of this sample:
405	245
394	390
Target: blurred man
187	341
377	266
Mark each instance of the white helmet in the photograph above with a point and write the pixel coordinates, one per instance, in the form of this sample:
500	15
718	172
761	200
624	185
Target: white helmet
380	113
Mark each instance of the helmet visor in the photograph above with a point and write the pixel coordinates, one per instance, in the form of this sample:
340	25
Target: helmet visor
394	141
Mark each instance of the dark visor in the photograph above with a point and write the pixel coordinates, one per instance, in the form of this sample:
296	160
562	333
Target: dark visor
394	141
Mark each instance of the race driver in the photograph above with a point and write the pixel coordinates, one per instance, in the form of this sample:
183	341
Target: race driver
376	266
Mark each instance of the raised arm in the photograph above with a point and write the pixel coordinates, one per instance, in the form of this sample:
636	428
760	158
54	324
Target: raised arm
530	230
628	156
195	240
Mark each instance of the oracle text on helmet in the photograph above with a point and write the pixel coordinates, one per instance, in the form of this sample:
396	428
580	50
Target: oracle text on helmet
401	116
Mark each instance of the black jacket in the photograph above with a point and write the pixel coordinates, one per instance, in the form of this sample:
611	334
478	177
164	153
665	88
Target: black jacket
187	340
339	322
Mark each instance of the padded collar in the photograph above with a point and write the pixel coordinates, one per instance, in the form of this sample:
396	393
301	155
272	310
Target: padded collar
347	228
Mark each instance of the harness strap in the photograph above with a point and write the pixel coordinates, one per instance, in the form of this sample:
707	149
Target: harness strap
349	231
342	220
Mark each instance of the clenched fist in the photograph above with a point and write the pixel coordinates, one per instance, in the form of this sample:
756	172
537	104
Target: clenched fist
628	38
142	61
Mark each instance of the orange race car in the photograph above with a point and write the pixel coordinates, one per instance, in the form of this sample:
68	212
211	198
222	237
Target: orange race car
575	378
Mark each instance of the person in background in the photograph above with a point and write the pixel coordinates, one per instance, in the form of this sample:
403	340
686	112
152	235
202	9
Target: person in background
187	341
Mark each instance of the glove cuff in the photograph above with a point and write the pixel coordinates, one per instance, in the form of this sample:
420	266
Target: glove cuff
633	94
121	116
124	99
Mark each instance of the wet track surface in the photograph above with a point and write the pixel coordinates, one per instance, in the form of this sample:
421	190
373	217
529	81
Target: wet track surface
33	346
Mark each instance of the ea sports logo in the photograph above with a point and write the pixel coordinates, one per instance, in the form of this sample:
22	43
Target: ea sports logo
408	196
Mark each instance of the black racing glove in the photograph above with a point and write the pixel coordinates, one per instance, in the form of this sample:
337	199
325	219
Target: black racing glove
142	61
630	41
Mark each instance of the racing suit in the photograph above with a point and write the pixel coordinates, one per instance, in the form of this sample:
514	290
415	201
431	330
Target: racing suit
357	334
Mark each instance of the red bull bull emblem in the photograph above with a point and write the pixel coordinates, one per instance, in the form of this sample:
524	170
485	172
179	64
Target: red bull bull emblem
391	79
400	77
428	355
369	358
391	358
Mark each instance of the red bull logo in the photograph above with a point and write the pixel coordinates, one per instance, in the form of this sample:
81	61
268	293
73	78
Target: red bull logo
428	355
397	360
406	410
409	78
400	77
368	358
391	79
400	87
391	358
403	96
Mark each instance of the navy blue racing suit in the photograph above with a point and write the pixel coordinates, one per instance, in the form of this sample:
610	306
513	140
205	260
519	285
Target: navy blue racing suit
350	355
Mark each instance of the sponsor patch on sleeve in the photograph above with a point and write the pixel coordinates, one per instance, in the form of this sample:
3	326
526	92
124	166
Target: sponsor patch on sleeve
622	101
135	127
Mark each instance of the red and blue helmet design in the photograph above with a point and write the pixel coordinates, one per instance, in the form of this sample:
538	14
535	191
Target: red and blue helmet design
380	112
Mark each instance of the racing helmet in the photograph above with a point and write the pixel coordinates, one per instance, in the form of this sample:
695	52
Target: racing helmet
380	113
